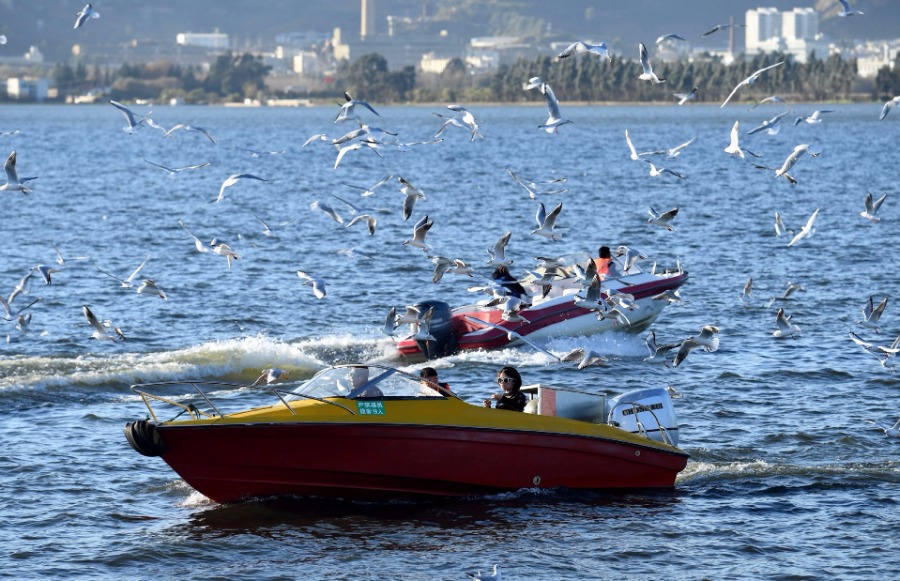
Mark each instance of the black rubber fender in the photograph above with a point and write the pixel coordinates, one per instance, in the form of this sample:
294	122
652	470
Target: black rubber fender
144	438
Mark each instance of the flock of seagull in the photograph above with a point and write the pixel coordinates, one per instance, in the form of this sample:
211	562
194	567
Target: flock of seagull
366	137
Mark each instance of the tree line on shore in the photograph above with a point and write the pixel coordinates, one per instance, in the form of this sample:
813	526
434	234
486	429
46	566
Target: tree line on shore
238	77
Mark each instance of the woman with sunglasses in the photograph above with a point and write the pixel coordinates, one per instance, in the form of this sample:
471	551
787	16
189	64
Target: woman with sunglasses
509	379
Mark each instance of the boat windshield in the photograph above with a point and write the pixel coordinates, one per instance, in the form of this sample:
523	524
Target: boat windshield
364	381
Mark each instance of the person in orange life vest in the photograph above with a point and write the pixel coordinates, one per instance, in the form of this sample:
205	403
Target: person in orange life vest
606	266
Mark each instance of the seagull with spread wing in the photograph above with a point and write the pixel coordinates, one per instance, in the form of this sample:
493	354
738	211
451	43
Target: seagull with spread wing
749	81
647	74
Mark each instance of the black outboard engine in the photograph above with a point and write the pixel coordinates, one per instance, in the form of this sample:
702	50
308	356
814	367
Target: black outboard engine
445	341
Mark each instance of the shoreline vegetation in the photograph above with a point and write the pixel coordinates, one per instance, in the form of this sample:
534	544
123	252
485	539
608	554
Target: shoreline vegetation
244	80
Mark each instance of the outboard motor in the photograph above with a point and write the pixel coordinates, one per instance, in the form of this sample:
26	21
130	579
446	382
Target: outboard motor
445	341
648	412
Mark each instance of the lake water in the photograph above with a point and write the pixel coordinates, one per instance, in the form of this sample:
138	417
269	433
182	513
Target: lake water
790	476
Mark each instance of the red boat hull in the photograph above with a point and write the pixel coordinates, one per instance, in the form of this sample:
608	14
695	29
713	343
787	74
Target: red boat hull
370	461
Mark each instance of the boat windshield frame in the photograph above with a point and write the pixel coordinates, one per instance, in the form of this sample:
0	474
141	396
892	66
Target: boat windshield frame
366	381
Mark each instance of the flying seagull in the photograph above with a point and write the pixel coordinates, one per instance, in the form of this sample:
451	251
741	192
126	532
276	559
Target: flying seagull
708	339
872	207
420	229
87	13
190	128
872	313
130	117
807	229
173	171
749	81
233	179
671	36
785	328
318	284
663	219
845	9
891	103
648	74
554	119
348	109
719	27
13	182
547	222
270	376
582	47
685	97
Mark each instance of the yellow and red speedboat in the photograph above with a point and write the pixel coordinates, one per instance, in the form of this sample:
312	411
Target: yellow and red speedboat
372	431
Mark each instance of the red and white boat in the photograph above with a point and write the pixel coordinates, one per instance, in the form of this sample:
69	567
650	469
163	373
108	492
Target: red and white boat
374	432
555	315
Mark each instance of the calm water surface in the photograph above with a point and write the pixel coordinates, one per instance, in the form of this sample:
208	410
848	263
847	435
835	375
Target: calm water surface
789	478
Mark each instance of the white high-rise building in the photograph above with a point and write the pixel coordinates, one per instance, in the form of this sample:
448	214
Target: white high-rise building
800	24
763	25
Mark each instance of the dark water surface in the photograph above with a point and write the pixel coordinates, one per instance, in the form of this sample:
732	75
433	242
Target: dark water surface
789	478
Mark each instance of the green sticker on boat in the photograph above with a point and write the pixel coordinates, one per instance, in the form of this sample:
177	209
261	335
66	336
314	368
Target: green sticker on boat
370	408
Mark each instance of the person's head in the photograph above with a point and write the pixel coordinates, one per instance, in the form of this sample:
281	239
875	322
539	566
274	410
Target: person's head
509	379
604	252
500	271
359	376
429	374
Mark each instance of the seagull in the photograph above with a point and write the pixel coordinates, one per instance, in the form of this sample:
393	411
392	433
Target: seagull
353	147
872	207
420	229
8	309
630	257
13	183
663	170
806	231
467	121
318	284
719	27
175	170
421	327
412	193
747	291
663	219
547	222
130	117
223	249
328	210
770	126
708	338
512	335
149	287
370	191
390	322
3	39
582	47
46	273
87	13
497	252
791	159
685	97
125	283
190	128
648	74
532	187
585	357
532	83
880	351
816	117
270	376
670	36
872	313
198	244
233	179
845	9
258	154
660	353
101	330
348	109
554	119
749	81
785	327
634	154
413	315
792	287
21	287
371	222
670	153
673	296
774	99
734	148
316	137
780	228
891	103
891	431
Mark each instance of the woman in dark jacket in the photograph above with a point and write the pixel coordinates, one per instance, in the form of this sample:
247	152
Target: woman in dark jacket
509	379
